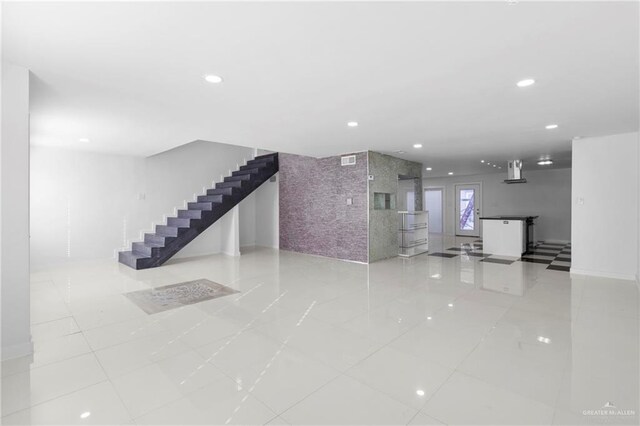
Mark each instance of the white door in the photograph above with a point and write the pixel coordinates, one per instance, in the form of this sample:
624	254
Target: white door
468	207
433	204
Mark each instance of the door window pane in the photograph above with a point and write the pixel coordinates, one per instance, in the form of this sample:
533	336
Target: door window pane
467	206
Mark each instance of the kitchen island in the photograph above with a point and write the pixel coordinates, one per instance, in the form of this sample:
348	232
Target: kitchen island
507	235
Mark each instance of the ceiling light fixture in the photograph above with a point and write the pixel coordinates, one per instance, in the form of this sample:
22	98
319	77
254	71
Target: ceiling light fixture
420	392
526	82
85	414
352	124
450	173
545	162
551	126
417	145
84	140
495	165
482	161
429	169
212	78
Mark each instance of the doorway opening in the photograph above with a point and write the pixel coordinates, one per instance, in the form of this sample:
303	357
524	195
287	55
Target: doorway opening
434	204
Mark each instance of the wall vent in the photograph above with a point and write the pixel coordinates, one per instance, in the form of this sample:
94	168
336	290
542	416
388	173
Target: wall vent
349	160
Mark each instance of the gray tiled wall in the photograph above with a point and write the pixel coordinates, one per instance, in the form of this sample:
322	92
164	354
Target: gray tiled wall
383	224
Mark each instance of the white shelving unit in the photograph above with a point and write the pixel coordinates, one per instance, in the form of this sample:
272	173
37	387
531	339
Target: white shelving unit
413	233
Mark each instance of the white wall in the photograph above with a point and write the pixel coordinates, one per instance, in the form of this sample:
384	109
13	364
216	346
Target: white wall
14	203
547	194
605	206
83	205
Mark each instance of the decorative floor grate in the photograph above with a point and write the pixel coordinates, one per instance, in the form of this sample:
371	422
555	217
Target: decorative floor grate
176	295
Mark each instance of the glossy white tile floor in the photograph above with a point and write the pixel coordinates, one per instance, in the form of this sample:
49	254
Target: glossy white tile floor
427	340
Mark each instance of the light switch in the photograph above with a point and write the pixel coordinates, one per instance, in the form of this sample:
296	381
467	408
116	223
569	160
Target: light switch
349	201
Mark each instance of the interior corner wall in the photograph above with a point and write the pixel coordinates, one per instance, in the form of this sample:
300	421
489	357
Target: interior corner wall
605	186
315	214
267	211
14	213
546	194
383	224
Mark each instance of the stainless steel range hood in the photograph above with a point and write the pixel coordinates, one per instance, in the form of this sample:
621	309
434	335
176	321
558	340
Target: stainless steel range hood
514	172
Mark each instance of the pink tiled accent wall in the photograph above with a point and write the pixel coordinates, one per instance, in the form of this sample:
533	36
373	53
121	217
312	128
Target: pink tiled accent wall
315	216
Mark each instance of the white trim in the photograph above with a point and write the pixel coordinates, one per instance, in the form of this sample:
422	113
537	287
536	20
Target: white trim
17	351
603	274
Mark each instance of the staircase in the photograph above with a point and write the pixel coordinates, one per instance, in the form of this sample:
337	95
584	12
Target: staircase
179	231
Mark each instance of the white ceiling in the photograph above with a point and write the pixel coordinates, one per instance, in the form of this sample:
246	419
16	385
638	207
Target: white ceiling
129	76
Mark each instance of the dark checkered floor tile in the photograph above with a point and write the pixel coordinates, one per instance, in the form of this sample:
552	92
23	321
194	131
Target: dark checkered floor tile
559	268
562	259
448	255
476	254
494	260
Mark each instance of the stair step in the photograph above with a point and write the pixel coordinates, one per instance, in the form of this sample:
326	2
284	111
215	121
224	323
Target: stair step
158	239
223	191
193	214
253	171
131	259
218	198
146	249
171	231
237	177
234	184
266	161
258	166
200	206
182	222
270	155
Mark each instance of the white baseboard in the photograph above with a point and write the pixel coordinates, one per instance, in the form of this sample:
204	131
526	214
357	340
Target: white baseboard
603	274
17	351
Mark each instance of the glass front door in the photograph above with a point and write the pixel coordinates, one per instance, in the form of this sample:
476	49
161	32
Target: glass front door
468	206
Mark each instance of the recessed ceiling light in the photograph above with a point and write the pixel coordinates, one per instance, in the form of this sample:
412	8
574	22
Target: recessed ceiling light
85	414
482	161
352	124
212	78
450	173
526	82
545	162
495	165
551	126
429	169
420	392
450	305
543	339
417	145
83	140
428	318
